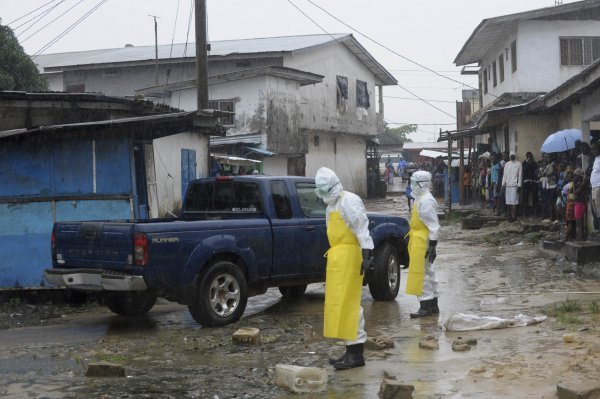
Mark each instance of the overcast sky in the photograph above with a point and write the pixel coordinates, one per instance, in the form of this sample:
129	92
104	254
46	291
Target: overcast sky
430	32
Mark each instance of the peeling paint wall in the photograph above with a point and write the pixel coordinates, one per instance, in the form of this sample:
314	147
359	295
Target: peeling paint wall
167	163
343	154
320	100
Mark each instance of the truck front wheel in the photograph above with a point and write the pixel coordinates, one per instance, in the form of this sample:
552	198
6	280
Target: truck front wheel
221	295
130	303
384	278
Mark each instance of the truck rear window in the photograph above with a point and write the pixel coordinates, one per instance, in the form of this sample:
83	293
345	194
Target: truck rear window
224	196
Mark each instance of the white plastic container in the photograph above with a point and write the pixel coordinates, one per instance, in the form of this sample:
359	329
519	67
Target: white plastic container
301	379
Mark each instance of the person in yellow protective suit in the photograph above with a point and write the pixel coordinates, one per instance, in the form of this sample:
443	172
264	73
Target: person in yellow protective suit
348	257
424	229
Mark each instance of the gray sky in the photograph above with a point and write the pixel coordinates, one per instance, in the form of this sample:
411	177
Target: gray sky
430	32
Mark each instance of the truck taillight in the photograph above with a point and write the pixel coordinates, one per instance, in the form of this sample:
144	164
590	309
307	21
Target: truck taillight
53	245
140	249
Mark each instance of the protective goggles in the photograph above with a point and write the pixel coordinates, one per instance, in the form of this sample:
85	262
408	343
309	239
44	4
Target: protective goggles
323	191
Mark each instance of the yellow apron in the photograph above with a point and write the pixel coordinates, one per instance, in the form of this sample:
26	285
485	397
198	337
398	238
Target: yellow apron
343	282
417	247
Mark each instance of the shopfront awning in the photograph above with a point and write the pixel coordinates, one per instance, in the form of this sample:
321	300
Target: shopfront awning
261	151
232	160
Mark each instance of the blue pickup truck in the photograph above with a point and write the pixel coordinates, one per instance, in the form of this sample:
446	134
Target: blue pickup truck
236	237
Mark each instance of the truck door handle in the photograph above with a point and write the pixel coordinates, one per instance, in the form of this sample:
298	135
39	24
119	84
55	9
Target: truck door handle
309	228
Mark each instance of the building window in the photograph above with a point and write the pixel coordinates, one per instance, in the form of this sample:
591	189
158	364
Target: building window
513	56
494	74
224	105
485	81
342	94
501	67
75	88
362	95
316	141
579	50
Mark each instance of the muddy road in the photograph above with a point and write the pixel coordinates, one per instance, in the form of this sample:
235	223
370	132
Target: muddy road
45	350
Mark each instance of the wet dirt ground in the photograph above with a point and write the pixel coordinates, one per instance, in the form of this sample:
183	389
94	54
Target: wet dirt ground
45	349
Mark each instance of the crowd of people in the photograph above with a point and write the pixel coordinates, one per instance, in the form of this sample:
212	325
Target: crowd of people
557	188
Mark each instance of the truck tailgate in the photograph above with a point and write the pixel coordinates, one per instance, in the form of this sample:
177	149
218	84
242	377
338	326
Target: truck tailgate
90	245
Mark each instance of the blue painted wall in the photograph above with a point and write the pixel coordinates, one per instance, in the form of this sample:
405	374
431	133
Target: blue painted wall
54	169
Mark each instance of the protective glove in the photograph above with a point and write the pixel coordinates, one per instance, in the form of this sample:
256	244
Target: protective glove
367	256
431	254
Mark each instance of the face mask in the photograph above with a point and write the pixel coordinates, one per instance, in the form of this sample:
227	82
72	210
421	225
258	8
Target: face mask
324	191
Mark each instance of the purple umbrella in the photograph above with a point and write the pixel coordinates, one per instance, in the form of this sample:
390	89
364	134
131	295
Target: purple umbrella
562	140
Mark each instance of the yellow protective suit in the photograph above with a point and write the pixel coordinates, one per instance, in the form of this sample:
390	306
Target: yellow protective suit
417	247
343	282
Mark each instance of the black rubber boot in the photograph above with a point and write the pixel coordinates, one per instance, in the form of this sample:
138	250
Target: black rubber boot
339	359
434	306
424	310
355	358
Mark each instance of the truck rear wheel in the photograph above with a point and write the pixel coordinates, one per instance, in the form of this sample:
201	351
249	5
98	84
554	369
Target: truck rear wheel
292	292
384	278
130	303
221	295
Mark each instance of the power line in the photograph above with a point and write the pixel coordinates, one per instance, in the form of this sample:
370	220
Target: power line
389	122
414	99
38	18
389	49
43	27
30	12
70	28
398	84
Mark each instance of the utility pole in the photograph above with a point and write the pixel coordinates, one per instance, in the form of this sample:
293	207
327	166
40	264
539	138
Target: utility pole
155	48
201	55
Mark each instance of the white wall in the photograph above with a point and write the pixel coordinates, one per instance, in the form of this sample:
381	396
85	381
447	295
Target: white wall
321	99
345	155
538	57
167	161
275	166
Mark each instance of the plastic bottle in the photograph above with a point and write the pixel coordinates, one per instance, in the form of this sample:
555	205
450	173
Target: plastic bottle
301	379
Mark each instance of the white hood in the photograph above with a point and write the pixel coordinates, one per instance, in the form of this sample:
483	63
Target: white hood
420	183
328	185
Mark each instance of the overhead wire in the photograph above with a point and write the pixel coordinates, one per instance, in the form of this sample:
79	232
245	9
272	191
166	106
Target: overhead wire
170	64
398	84
70	28
45	26
37	18
414	99
30	12
187	37
387	48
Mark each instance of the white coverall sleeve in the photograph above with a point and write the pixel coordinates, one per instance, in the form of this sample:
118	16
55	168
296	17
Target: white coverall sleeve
428	214
355	215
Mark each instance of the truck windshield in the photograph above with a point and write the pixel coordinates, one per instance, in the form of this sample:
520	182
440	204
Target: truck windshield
224	196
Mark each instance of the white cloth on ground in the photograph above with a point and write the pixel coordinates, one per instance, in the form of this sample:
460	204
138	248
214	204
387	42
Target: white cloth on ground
471	322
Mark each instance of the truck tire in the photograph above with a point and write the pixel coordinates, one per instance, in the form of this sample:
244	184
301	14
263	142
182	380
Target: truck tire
221	295
130	303
384	278
292	292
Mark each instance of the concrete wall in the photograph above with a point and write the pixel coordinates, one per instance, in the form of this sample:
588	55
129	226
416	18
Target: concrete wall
529	133
343	154
321	111
275	166
538	57
167	163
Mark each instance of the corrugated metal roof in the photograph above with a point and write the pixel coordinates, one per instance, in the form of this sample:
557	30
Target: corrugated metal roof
492	30
218	48
267	46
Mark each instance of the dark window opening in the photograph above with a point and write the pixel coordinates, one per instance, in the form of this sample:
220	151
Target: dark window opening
362	95
501	67
342	93
579	50
513	56
226	105
316	141
495	79
485	81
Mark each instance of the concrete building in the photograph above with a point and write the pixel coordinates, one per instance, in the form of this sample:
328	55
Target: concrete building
520	58
313	100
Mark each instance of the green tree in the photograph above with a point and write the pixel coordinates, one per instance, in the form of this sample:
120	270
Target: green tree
396	135
17	70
